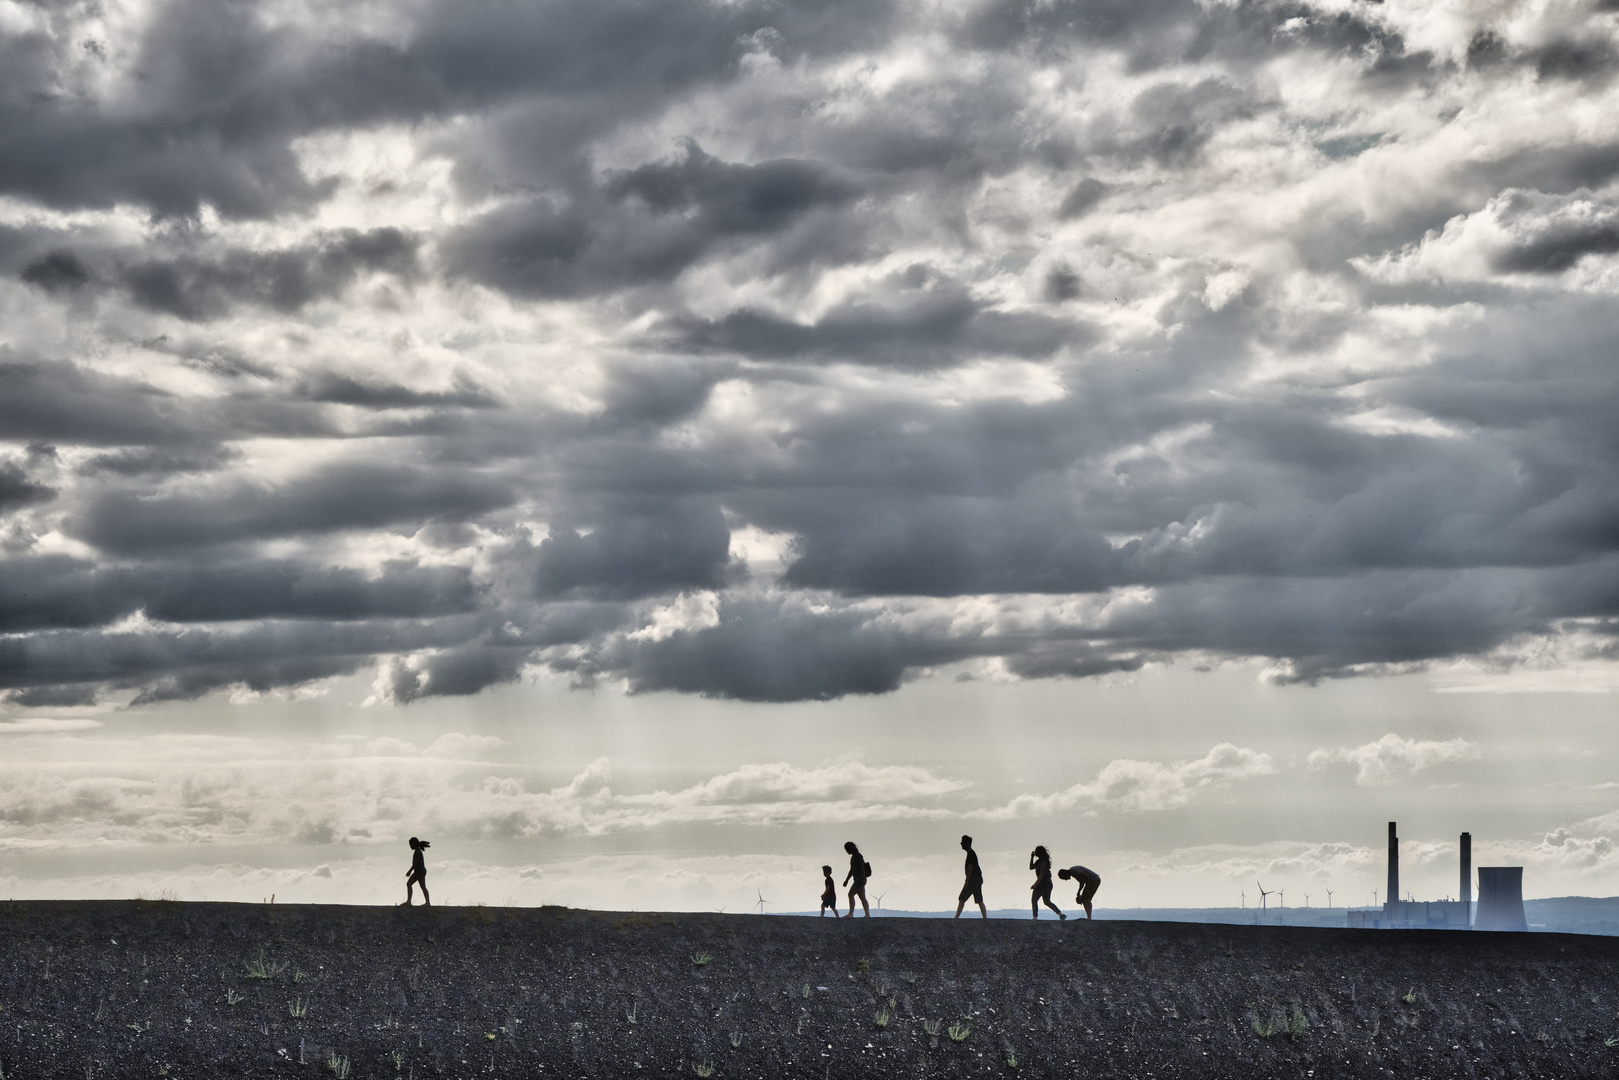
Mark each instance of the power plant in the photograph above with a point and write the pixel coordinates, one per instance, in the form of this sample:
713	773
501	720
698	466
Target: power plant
1500	899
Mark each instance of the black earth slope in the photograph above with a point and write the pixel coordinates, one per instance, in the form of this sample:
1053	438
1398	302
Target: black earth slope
139	989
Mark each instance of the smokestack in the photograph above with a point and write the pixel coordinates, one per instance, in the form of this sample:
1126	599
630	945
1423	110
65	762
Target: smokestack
1466	894
1394	866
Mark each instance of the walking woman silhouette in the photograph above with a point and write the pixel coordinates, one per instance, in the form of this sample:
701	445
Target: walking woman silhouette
417	874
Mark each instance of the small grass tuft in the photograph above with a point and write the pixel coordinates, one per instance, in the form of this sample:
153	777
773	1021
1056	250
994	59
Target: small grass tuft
882	1018
1610	1042
701	959
260	968
1297	1025
339	1066
398	1058
931	1026
908	976
1011	1061
233	998
805	993
959	1031
298	1008
703	1069
1410	996
736	1040
863	964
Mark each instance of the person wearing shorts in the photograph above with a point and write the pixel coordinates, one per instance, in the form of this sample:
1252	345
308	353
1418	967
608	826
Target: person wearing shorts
829	893
857	873
973	889
1089	882
417	874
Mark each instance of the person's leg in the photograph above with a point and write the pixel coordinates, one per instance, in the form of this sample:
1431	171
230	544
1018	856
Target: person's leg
1045	898
863	903
851	901
427	901
961	901
1086	895
978	895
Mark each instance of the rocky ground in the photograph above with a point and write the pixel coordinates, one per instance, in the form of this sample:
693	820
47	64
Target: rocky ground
154	989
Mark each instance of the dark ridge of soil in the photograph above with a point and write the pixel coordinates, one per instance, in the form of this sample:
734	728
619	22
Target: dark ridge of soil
154	989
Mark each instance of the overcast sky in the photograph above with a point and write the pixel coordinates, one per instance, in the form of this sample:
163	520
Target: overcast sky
639	444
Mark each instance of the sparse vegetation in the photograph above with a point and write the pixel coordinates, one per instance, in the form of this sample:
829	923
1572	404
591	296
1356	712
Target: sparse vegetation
339	1066
701	959
806	992
909	977
736	1040
703	1069
260	968
233	998
1410	996
932	1026
863	965
1011	1061
959	1031
298	1008
882	1018
1297	1024
398	1058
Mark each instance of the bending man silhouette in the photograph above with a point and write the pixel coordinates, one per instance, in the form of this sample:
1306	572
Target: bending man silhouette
859	871
1040	863
1089	882
974	888
417	874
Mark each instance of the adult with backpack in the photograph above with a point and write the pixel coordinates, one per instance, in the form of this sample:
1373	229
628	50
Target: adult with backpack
859	871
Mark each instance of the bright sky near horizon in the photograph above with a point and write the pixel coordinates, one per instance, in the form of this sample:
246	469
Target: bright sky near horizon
638	445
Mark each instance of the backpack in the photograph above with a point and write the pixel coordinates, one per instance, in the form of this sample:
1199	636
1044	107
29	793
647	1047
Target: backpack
868	865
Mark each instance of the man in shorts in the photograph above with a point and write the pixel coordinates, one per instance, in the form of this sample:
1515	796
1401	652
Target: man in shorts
974	888
1089	882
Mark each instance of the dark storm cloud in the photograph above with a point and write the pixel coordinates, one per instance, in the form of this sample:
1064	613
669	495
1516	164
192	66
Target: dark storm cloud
56	592
17	490
1043	304
762	651
198	289
56	271
909	328
331	499
63	402
646	224
639	550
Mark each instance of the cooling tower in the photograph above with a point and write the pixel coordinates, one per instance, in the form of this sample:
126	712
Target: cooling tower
1500	899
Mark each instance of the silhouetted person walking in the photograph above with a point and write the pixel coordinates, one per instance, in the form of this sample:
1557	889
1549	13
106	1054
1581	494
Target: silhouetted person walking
829	895
974	888
859	871
417	874
1089	882
1040	863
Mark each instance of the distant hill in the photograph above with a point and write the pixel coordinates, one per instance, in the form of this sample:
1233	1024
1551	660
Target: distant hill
1559	914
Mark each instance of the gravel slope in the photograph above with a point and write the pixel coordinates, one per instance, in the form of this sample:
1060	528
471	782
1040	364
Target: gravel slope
148	989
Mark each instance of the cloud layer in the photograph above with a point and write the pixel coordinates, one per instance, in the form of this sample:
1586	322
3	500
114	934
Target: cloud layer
789	352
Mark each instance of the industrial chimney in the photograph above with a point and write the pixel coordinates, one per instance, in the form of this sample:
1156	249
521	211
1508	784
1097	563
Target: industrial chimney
1466	894
1394	868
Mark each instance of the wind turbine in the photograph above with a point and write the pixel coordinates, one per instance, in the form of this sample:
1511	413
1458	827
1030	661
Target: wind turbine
879	899
1245	899
1329	898
762	900
1263	894
1281	895
1306	899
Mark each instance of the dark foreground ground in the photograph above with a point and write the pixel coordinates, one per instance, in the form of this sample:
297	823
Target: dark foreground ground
151	989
